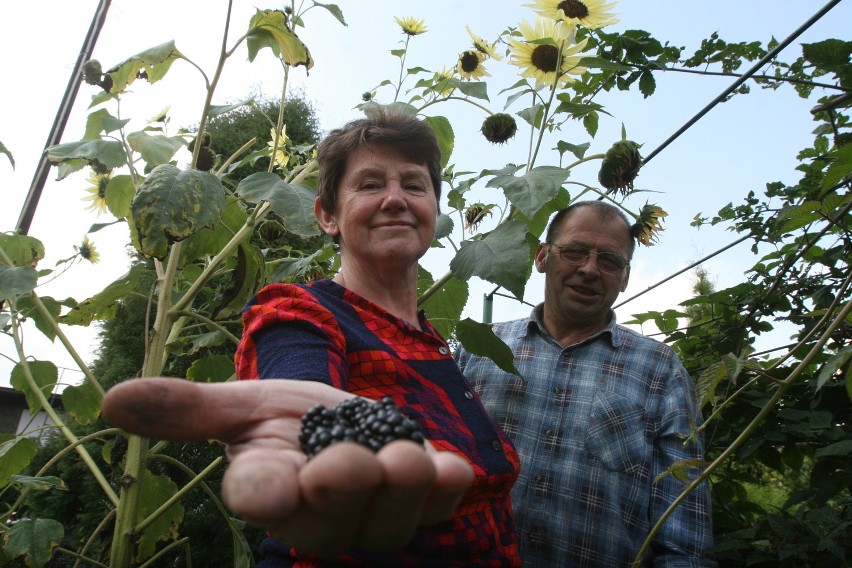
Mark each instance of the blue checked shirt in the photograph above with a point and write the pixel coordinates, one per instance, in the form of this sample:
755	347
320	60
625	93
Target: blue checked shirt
595	423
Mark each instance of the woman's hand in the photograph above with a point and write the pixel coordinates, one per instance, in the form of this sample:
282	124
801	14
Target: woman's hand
345	496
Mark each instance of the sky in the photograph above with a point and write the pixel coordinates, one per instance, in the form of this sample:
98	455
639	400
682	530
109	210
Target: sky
738	147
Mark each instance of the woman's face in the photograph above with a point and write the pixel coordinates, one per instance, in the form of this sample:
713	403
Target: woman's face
385	209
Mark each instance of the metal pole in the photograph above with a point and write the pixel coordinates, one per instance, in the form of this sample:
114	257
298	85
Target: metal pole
62	113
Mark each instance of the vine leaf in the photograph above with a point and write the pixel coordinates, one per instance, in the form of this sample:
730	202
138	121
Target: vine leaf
479	339
268	28
152	64
35	539
497	257
292	202
172	204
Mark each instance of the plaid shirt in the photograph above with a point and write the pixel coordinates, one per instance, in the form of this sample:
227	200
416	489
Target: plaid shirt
324	332
595	423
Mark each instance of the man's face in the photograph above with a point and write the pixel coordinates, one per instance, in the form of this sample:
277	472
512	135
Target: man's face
578	297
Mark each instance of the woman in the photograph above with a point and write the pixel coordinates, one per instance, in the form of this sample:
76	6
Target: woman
361	333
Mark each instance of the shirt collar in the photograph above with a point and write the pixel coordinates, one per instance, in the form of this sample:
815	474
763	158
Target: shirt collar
612	331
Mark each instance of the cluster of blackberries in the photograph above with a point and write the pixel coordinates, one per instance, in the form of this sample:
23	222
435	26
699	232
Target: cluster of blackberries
369	423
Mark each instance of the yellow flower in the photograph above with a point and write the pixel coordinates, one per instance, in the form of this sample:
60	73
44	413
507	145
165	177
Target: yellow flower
279	153
591	14
97	192
646	230
441	82
87	251
470	64
411	26
479	44
538	54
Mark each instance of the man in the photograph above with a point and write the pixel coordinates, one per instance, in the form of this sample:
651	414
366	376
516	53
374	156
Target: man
601	412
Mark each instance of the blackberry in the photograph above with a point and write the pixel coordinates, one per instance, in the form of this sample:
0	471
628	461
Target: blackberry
369	423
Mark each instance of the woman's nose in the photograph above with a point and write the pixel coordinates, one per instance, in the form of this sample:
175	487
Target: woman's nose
394	197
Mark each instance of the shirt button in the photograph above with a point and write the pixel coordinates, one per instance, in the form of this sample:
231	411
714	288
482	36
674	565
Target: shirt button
443	350
497	445
468	395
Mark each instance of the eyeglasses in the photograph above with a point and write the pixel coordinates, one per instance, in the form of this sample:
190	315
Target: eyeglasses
577	255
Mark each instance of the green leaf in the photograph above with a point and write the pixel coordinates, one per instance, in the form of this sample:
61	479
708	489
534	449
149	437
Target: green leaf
138	280
83	402
445	306
22	249
475	89
45	483
334	10
479	339
443	226
44	375
531	191
243	282
43	323
17	280
647	83
155	62
503	257
209	241
213	369
292	202
101	121
837	449
119	195
268	28
446	138
15	455
155	150
218	110
840	168
579	150
172	204
601	63
110	153
156	490
829	54
33	539
833	365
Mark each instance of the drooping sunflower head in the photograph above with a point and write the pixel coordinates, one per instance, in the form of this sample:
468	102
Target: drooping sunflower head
499	128
474	215
646	230
411	26
97	192
470	65
546	52
488	48
162	116
591	14
620	166
87	251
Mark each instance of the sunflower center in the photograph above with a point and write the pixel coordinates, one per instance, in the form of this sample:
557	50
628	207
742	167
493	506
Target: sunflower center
469	61
573	8
544	57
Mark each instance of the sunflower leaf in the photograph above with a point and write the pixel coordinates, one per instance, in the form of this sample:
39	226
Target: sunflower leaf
292	202
498	257
152	64
268	28
172	204
479	339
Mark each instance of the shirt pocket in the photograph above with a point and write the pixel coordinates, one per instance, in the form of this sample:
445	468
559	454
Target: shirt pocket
616	435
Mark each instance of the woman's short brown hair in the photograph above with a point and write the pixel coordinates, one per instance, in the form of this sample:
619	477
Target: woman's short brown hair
383	125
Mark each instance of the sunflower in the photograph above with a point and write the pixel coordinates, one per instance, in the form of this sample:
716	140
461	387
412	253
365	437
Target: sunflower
538	52
470	64
620	166
441	82
279	152
647	228
97	192
87	251
411	26
591	14
479	44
